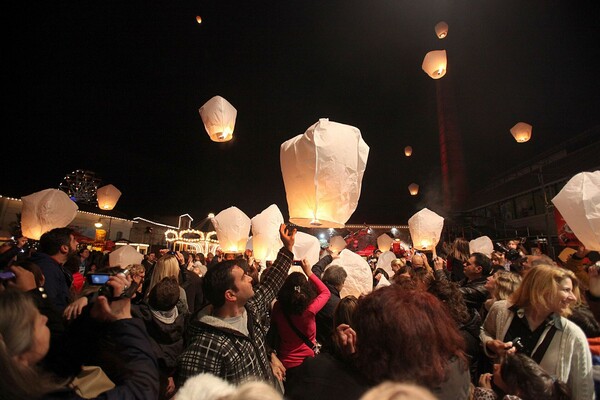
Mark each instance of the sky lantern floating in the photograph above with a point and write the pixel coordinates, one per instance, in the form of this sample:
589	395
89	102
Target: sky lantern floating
579	204
425	229
413	189
408	151
107	197
337	244
45	210
198	19
441	30
232	227
482	244
218	116
384	242
124	256
322	171
265	234
435	63
521	132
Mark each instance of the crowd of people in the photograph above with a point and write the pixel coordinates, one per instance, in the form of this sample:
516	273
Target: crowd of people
441	325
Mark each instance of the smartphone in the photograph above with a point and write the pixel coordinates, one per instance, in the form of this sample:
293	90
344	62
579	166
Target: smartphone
7	275
297	262
97	279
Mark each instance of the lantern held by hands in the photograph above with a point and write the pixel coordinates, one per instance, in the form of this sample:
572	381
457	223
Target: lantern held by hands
322	171
425	229
218	116
45	210
233	227
265	233
384	242
337	244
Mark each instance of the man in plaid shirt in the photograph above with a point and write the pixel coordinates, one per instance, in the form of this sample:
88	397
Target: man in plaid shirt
227	338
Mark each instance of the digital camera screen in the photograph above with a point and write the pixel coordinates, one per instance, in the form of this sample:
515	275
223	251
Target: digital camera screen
99	279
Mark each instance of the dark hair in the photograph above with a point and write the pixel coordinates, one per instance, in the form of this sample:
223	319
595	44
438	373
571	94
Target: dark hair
217	281
484	262
51	241
164	295
583	317
450	294
34	269
344	311
334	275
296	294
460	249
525	377
426	338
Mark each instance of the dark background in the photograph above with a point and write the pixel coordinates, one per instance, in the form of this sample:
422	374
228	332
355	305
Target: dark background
115	86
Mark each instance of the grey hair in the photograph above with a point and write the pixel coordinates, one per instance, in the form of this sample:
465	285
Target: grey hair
334	275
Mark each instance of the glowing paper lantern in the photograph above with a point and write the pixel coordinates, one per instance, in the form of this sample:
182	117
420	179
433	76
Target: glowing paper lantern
337	244
124	256
198	19
45	210
441	29
305	246
425	229
322	171
483	245
232	227
384	261
408	151
218	116
107	197
521	132
413	189
384	242
265	233
360	279
435	63
579	204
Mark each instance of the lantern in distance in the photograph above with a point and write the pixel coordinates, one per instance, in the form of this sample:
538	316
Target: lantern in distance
384	242
45	210
232	227
425	229
107	197
521	132
198	19
435	63
408	151
579	204
218	116
413	189
322	172
441	29
482	244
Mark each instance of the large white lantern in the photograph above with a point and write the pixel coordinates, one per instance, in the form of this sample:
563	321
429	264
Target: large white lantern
337	244
482	244
425	229
265	233
521	132
322	171
384	242
579	204
305	246
413	189
384	261
441	30
107	197
124	256
218	116
233	227
360	280
45	210
435	63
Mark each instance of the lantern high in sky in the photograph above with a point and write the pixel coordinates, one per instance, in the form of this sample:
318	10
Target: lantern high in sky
408	151
521	132
108	196
435	63
441	29
218	116
425	229
413	189
322	171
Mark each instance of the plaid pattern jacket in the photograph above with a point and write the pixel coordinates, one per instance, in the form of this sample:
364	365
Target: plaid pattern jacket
218	348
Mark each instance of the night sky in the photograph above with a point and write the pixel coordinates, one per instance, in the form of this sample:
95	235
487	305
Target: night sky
115	86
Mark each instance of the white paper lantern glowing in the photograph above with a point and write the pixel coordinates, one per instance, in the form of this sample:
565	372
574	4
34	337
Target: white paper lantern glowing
384	261
45	210
322	171
483	245
124	256
265	234
198	19
425	229
435	63
108	196
408	151
441	29
360	280
233	227
218	116
521	132
413	189
579	204
305	246
337	244
384	242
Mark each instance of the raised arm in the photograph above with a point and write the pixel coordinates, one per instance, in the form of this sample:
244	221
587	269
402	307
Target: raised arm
323	293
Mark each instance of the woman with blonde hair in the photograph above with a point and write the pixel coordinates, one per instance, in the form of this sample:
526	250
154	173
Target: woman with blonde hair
168	267
501	286
533	322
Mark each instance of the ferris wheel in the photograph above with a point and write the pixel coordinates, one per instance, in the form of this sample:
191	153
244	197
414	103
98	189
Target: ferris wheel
81	185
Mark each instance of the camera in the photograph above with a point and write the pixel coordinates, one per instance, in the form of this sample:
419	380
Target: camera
518	344
297	262
107	290
7	276
97	279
